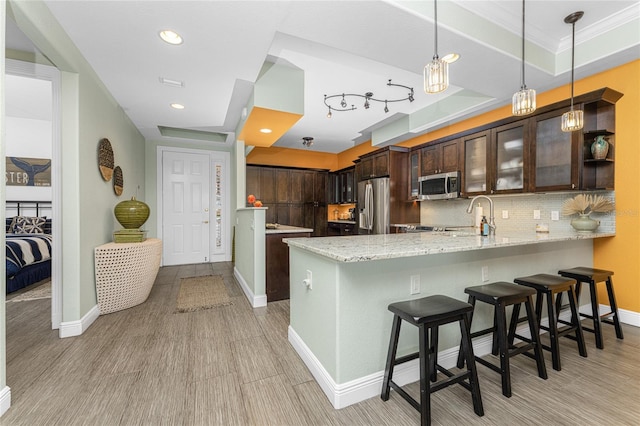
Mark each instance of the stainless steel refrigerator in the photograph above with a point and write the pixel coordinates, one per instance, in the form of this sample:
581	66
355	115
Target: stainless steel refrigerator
373	206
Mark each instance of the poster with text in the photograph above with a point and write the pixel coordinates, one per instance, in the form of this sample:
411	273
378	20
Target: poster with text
21	171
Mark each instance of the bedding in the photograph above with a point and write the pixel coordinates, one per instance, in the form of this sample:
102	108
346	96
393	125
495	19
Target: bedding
23	250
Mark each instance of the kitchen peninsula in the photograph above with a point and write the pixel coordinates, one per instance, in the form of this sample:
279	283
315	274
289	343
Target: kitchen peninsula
339	322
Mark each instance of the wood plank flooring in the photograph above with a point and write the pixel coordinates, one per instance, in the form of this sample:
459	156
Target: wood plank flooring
233	365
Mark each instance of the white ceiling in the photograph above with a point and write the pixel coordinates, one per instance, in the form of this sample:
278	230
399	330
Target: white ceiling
342	46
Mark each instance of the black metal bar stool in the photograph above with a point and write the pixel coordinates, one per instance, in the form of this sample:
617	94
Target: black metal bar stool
593	276
550	286
428	313
500	295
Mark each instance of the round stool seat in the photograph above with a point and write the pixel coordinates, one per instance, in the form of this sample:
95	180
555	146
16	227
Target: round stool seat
429	309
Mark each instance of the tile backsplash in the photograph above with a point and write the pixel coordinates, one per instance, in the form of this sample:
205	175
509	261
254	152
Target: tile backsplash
520	209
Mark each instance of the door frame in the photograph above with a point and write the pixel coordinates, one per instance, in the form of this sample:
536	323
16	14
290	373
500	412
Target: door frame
226	197
52	74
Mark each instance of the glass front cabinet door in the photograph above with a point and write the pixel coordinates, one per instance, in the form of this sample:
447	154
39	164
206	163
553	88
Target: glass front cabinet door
555	154
475	163
509	149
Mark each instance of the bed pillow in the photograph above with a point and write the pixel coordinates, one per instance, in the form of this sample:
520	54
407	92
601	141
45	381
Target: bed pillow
28	225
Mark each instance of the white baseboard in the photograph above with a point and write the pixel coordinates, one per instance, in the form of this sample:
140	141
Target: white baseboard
344	394
5	400
76	328
255	301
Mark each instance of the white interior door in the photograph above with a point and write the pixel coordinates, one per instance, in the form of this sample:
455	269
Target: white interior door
185	208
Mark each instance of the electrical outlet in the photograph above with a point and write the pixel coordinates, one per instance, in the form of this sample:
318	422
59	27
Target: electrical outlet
485	273
415	284
536	214
555	215
505	214
308	281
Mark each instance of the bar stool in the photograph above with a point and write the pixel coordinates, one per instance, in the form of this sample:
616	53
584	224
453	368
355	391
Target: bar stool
500	295
428	313
550	285
593	276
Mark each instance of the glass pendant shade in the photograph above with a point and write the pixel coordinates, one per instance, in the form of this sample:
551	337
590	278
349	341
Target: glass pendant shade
436	76
524	102
572	120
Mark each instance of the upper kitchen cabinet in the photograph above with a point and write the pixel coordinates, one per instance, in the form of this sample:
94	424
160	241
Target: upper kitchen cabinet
374	164
599	120
342	186
564	160
414	174
509	154
475	177
441	157
555	154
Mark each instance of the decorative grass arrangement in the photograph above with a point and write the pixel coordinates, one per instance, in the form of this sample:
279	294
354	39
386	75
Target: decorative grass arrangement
585	204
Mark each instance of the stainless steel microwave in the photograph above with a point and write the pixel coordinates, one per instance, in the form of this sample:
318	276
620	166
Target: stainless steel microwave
441	186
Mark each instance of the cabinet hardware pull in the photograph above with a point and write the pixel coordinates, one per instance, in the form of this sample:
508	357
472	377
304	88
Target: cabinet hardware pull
205	221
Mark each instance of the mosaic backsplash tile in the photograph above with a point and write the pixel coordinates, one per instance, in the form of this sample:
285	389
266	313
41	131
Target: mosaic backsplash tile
520	210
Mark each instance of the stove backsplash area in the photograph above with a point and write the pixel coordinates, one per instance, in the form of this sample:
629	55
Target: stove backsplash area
520	210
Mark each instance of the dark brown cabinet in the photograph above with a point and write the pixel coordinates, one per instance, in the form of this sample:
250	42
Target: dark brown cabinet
555	154
277	263
535	155
296	197
394	166
440	158
342	186
335	229
373	165
476	157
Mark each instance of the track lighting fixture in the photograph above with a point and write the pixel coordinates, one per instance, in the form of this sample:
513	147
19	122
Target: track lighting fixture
368	97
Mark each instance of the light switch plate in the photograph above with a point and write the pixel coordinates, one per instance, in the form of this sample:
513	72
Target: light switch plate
555	215
505	214
536	214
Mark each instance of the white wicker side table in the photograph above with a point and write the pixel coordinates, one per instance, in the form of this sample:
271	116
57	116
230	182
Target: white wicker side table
125	273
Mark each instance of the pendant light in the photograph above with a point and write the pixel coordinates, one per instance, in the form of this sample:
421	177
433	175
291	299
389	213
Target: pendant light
524	100
573	119
436	72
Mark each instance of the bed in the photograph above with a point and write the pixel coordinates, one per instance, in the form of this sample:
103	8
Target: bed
28	243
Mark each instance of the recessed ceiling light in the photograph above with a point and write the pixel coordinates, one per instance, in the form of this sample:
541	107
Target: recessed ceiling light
265	130
171	37
451	58
177	106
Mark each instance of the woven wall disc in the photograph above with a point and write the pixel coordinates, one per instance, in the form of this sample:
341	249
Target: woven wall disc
118	181
105	159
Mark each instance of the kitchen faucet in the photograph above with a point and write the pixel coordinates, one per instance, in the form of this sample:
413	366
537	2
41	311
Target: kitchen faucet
492	219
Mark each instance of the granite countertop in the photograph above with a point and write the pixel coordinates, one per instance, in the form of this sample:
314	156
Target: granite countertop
362	248
286	229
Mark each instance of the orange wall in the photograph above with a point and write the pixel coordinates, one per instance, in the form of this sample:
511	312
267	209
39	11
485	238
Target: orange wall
620	253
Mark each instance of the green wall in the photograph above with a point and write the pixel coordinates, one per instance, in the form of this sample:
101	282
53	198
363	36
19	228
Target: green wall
89	113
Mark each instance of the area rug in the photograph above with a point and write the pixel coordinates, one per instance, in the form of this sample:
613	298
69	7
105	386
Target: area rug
41	292
198	293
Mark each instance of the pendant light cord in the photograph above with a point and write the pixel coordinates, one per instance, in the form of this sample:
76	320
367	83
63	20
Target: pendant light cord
573	49
523	86
435	42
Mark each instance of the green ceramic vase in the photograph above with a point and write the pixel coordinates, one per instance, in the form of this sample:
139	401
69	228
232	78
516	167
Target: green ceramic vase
599	148
131	214
585	224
